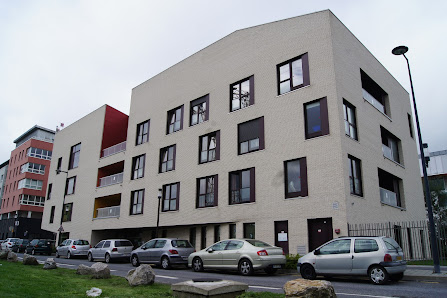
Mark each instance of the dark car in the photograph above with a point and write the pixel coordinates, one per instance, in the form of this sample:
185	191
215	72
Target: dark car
20	245
40	246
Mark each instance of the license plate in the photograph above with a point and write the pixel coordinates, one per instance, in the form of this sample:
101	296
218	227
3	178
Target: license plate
399	258
276	266
184	258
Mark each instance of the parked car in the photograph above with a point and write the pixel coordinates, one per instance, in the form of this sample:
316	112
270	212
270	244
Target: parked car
379	258
110	249
20	245
163	251
244	255
8	243
73	247
40	246
1	241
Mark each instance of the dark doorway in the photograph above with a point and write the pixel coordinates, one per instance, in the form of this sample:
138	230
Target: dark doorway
319	231
282	235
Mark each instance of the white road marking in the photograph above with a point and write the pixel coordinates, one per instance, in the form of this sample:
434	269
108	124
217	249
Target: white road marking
168	277
360	295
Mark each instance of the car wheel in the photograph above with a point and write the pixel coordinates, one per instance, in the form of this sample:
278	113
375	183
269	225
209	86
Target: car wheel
307	271
134	260
90	257
197	264
378	275
68	255
397	277
57	254
107	258
245	267
165	264
270	271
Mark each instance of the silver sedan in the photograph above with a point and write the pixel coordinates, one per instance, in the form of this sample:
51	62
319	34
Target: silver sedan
244	255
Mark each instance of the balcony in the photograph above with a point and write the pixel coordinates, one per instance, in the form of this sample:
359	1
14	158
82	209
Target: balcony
372	100
388	197
108	212
387	152
110	180
114	149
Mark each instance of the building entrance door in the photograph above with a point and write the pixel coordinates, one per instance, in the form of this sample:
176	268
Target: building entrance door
282	235
319	231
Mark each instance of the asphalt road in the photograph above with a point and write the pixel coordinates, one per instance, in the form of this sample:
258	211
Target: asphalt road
344	287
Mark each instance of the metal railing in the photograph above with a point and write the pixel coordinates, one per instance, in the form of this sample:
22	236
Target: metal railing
388	197
110	180
372	100
114	149
107	212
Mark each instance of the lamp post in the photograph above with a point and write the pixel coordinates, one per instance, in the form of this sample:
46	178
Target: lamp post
401	50
63	204
158	211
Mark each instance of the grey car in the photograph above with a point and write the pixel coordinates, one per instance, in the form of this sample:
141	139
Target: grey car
379	258
164	252
73	247
110	249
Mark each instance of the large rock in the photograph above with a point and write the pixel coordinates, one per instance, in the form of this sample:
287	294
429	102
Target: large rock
101	270
309	288
29	260
50	264
143	275
84	270
12	257
3	255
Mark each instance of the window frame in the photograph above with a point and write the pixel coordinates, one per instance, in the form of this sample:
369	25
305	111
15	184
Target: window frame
305	67
215	134
247	129
246	229
162	161
303	178
251	93
252	192
171	113
133	204
324	119
66	215
355	163
67	183
52	211
136	161
351	124
215	191
140	133
75	153
197	102
177	198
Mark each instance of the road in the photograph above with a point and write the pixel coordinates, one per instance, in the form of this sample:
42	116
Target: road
344	287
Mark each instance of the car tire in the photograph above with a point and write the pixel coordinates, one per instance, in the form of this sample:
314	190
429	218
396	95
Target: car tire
308	272
68	255
90	257
165	263
397	277
107	258
270	271
197	264
134	260
245	267
378	275
57	254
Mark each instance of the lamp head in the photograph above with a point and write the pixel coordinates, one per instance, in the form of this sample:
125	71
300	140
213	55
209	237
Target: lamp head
400	50
159	193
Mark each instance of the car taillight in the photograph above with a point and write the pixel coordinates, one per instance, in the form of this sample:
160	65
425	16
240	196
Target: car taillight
263	253
173	251
387	258
115	249
9	243
36	245
90	246
73	247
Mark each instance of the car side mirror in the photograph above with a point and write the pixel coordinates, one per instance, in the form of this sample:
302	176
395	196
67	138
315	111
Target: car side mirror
210	250
317	252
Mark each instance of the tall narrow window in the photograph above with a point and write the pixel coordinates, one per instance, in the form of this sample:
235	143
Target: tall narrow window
171	197
175	120
242	186
242	94
67	211
350	120
293	74
216	233
295	178
390	145
192	236
136	202
70	186
138	166
209	147
142	133
251	136
232	232
50	189
53	208
410	125
249	230
203	237
167	159
207	192
355	176
59	165
74	156
199	110
316	118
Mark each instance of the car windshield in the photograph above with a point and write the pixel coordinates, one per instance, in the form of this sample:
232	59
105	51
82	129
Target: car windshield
391	244
81	242
258	243
181	243
120	243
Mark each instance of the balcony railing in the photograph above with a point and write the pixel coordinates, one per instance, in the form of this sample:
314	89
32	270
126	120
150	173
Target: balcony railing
107	212
388	197
110	180
372	100
114	149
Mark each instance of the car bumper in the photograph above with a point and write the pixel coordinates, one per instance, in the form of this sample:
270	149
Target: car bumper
394	267
120	256
178	260
271	262
79	252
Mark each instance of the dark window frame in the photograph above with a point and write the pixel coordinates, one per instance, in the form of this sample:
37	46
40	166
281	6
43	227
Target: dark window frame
232	189
177	198
374	90
246	226
162	161
410	126
171	113
53	209
303	179
251	93
199	193
139	193
248	131
67	183
324	119
75	153
198	102
305	67
350	124
141	136
215	134
50	189
355	166
136	166
66	215
59	165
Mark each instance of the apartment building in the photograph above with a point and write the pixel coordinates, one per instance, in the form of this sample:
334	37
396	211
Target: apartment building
3	174
25	187
284	132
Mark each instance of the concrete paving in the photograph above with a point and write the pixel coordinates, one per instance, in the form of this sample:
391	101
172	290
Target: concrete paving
418	272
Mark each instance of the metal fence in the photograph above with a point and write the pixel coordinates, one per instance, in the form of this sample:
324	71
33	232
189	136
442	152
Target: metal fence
413	237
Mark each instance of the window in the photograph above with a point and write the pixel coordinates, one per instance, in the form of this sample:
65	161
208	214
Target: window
199	110
203	237
295	178
249	230
59	165
66	215
293	74
336	247
373	94
39	153
32	200
171	196
53	208
251	136
390	145
29	183
74	156
242	186
167	159
232	231
142	133
50	188
216	233
33	168
209	147
192	236
316	118
242	94
175	120
207	192
410	125
136	202
365	245
350	120
70	186
138	166
355	176
390	189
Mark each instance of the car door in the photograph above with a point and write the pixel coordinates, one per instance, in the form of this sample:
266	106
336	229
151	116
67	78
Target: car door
157	251
213	256
231	254
144	254
62	248
96	251
334	257
365	254
104	249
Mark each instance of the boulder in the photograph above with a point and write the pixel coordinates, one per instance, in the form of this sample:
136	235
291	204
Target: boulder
143	275
309	288
12	257
50	264
29	260
101	270
84	270
3	255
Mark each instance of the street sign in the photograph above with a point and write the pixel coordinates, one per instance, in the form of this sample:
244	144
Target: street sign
61	229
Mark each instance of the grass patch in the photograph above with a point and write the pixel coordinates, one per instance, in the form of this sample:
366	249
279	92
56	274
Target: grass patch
426	262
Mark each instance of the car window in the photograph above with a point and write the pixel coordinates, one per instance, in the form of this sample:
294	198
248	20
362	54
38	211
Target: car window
120	243
160	243
336	247
365	245
106	244
258	243
234	245
391	244
34	242
181	243
219	245
100	244
80	242
149	244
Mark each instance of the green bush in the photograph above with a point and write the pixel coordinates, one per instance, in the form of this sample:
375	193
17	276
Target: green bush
291	261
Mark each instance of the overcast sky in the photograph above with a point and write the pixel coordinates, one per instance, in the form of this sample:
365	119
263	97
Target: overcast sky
60	60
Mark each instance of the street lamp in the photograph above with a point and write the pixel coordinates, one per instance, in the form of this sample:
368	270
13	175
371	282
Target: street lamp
63	204
158	211
401	50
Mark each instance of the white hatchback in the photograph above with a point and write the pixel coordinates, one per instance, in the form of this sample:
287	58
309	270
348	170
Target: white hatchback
8	243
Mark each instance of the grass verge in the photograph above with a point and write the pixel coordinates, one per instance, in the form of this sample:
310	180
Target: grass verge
426	262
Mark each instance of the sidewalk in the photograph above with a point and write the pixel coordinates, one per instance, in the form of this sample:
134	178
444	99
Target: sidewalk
418	272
